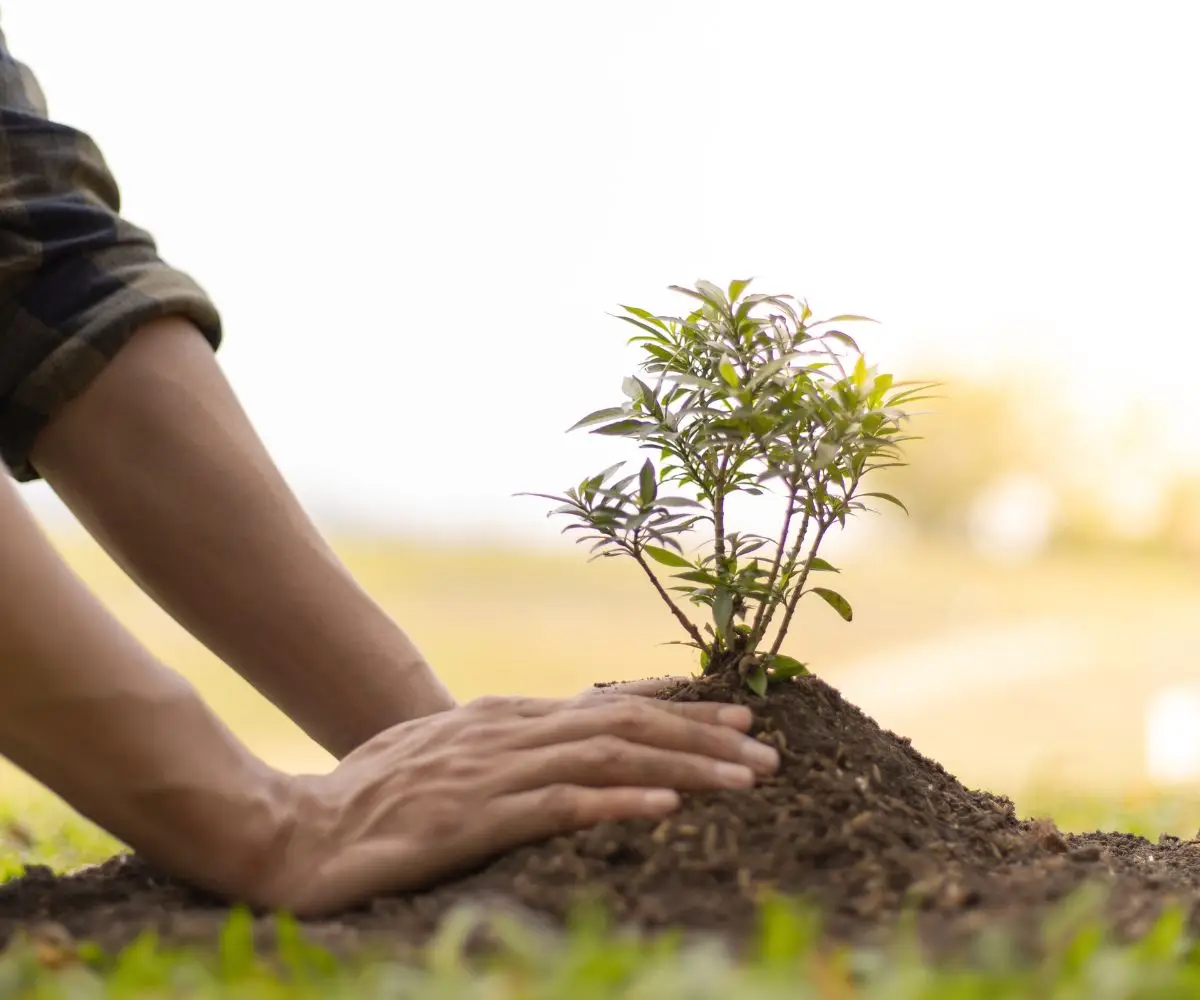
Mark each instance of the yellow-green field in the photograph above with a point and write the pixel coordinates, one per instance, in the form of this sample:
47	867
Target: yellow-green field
1028	680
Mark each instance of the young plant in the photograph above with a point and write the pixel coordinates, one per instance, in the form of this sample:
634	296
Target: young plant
744	394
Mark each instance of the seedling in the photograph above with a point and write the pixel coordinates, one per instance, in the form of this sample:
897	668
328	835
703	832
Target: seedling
745	394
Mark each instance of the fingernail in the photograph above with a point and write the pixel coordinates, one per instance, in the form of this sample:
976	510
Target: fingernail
737	716
760	756
734	775
660	799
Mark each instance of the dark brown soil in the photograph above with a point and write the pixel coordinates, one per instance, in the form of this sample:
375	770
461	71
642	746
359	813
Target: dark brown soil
857	821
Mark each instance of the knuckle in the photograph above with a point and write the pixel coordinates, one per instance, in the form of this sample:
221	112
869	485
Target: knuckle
485	733
464	767
629	715
562	807
487	703
605	751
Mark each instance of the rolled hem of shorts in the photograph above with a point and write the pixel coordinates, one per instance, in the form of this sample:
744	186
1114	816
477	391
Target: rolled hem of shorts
21	424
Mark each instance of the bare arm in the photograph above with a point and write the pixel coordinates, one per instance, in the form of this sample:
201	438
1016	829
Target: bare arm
159	462
87	711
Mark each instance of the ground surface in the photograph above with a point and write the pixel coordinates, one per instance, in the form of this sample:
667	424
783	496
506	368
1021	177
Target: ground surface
931	654
857	821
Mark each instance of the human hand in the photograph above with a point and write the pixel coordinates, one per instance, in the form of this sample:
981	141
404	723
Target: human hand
431	797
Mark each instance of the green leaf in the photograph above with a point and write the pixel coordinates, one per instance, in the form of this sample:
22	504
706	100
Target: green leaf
699	576
772	368
649	400
651	331
849	318
881	385
678	502
836	601
737	287
648	316
756	681
728	372
844	338
666	556
599	415
722	610
623	428
711	292
888	497
647	484
785	667
819	565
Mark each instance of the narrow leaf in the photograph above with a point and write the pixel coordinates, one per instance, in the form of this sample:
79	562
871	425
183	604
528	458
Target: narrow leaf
623	428
699	576
836	601
666	556
647	484
711	292
756	681
648	316
678	501
737	287
844	338
819	565
785	667
889	498
599	415
728	372
722	610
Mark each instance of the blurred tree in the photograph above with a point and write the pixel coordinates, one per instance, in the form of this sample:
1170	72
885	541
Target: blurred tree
974	436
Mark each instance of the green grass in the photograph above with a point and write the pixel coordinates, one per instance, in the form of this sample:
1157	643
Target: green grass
593	962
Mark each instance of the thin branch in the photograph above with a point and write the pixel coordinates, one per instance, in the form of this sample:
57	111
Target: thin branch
795	598
719	512
792	557
758	628
683	619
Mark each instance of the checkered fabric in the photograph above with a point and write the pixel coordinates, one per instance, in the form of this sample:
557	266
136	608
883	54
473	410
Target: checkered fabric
76	279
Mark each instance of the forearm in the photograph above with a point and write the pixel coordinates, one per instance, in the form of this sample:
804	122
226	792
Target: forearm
125	741
159	462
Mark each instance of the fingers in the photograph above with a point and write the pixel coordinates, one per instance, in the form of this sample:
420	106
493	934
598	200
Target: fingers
637	722
511	821
611	762
397	863
711	712
714	713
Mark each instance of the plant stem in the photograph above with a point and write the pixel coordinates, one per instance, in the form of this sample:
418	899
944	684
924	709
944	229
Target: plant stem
758	628
719	514
795	598
683	619
792	556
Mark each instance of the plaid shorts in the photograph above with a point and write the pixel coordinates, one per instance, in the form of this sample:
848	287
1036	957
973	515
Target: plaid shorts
76	279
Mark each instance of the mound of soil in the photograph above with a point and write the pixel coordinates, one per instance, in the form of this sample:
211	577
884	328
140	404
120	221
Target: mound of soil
856	820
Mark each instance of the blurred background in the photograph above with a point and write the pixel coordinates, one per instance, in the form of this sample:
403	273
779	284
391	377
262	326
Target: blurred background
430	210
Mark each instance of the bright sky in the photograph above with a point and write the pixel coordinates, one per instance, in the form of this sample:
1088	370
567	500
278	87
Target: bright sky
415	216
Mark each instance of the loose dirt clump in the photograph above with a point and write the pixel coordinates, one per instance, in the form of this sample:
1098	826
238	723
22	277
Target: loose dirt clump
856	821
